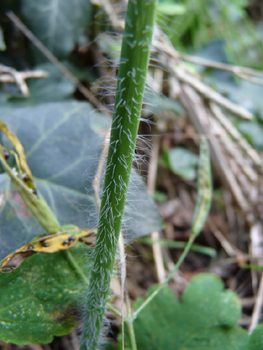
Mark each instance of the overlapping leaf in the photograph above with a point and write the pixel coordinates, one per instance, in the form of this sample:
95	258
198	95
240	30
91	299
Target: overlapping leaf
47	244
62	142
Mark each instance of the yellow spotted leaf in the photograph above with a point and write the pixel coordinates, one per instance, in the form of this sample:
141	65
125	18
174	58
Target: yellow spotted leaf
46	244
19	156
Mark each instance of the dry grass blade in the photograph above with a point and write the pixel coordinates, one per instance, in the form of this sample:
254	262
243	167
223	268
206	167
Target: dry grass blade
198	114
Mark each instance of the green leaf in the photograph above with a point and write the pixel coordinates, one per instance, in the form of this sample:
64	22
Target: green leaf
182	162
171	9
2	42
254	133
242	92
155	102
58	24
55	87
41	298
256	338
160	197
62	142
18	226
205	318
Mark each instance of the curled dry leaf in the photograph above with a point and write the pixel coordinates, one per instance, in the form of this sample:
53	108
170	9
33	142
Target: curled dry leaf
20	156
46	244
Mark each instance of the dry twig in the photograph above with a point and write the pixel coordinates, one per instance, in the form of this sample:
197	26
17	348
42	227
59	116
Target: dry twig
57	63
9	75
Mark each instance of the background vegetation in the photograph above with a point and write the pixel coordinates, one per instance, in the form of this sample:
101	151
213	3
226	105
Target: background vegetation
58	74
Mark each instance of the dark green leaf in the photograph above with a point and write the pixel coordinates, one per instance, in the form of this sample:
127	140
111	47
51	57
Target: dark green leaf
41	298
55	87
256	338
17	223
62	142
205	318
2	42
58	24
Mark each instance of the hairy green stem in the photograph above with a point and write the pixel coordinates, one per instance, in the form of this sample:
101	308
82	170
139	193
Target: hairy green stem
132	74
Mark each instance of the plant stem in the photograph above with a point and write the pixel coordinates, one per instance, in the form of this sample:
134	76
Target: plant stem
202	207
132	74
77	268
83	276
129	321
160	286
176	244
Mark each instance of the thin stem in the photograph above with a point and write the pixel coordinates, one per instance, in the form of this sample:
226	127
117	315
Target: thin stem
129	321
202	207
131	334
176	244
79	271
115	311
176	267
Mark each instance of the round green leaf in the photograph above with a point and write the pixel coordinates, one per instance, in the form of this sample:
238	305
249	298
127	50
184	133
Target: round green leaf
204	319
256	339
182	162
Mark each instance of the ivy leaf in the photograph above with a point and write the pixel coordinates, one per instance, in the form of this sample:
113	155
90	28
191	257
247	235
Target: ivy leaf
256	339
18	225
56	87
56	23
40	299
205	318
62	143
